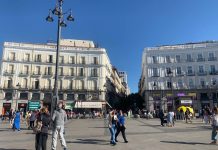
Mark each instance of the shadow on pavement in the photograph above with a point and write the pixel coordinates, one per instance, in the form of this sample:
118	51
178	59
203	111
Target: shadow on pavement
98	127
90	141
11	149
189	143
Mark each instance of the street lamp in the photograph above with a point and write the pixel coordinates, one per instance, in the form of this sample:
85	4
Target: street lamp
61	23
170	74
16	93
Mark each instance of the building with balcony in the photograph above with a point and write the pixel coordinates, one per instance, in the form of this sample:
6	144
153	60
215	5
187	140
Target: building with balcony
27	74
184	74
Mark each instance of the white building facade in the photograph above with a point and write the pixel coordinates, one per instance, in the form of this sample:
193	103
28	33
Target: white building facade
176	75
27	74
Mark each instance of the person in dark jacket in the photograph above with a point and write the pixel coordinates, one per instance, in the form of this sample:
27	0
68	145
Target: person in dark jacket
161	116
121	127
42	136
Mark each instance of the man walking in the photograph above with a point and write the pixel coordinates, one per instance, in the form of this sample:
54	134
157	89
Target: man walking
121	127
59	118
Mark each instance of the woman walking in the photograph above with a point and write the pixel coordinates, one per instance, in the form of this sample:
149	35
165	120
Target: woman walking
170	117
112	121
214	126
41	136
16	123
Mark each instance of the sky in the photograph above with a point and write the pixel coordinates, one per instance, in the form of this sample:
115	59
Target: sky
123	27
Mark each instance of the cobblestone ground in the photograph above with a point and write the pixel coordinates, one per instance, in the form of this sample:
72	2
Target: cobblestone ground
142	134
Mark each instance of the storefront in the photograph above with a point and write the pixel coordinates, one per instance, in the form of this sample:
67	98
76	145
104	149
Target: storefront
6	108
89	105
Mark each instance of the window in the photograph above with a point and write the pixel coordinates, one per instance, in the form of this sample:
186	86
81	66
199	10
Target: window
50	58
81	84
202	83
180	83
38	58
36	96
178	70
71	71
201	69
49	71
191	83
81	72
70	97
94	72
8	95
61	59
60	84
154	58
178	58
36	86
155	72
169	84
190	70
213	81
83	61
61	96
200	57
94	85
72	60
10	83
168	59
81	97
24	96
48	96
26	69
37	70
61	73
70	86
211	57
189	57
24	84
12	56
48	84
212	69
168	71
27	57
95	60
11	69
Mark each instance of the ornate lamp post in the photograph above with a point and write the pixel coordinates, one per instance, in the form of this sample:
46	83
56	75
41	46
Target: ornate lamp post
61	23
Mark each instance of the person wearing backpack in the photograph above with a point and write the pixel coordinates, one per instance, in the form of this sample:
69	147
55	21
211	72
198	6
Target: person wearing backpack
214	126
43	121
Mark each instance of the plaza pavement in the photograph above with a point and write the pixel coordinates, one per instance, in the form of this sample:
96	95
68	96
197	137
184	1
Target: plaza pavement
142	134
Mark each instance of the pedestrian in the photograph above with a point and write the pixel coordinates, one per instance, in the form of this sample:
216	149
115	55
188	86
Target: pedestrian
42	135
32	118
112	121
161	116
16	122
170	117
214	126
59	118
121	127
188	116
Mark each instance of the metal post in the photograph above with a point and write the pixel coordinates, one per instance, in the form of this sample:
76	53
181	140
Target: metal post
55	96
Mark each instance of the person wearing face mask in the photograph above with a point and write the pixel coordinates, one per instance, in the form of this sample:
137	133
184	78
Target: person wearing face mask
59	118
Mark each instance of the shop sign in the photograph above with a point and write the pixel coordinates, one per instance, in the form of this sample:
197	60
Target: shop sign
186	101
81	104
181	94
192	94
34	105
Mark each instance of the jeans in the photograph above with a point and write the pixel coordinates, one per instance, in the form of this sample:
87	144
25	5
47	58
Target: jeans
214	134
41	141
59	130
113	132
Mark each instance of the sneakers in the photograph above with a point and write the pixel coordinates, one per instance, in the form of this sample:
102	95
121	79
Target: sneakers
126	141
116	140
65	148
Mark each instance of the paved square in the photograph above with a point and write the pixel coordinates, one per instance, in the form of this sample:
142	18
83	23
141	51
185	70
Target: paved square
142	134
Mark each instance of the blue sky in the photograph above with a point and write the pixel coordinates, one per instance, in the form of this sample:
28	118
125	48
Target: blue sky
123	27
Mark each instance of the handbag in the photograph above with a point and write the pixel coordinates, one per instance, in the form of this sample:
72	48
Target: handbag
38	127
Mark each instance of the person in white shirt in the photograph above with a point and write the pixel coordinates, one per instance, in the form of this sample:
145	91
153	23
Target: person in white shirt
214	126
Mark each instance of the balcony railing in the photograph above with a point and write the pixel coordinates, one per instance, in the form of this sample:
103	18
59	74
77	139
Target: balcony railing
155	75
200	59
212	59
190	73
36	74
202	73
190	60
23	74
9	73
48	74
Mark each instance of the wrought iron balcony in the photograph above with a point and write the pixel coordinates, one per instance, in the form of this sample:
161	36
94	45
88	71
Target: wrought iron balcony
203	73
212	59
200	59
190	73
24	74
9	73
